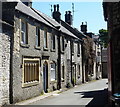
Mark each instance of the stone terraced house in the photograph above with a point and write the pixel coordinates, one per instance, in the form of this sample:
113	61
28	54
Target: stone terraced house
39	54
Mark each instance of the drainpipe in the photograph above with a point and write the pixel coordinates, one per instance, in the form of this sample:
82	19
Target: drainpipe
83	78
59	61
71	61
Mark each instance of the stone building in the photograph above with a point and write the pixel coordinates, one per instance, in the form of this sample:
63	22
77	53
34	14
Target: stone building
5	42
42	55
91	55
112	16
39	54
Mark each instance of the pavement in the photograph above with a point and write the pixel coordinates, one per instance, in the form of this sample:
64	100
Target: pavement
32	100
91	93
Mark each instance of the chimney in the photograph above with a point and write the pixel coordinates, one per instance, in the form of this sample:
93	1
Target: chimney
56	14
27	2
68	17
84	28
57	7
54	8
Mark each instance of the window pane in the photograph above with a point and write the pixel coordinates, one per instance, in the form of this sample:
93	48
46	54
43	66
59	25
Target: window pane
53	72
22	37
45	39
63	72
78	48
63	44
53	41
23	33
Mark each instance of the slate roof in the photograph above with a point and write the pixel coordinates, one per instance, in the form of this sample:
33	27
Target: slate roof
42	18
28	11
73	30
55	23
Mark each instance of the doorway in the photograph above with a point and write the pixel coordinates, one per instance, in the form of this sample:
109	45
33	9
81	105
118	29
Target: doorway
45	77
74	74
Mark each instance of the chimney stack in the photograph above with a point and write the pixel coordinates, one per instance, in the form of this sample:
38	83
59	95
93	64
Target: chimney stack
68	17
84	28
56	14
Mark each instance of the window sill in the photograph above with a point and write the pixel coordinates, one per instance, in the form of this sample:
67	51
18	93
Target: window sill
62	52
52	50
78	55
79	76
62	80
24	45
37	47
53	81
30	84
72	53
45	49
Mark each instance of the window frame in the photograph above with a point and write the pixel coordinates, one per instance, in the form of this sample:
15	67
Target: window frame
72	46
55	71
45	45
62	44
53	43
78	49
37	37
25	31
25	84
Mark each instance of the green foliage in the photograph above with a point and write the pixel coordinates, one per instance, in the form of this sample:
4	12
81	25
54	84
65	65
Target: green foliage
103	35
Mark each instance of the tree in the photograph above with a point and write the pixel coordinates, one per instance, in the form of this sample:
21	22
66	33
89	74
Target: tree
103	35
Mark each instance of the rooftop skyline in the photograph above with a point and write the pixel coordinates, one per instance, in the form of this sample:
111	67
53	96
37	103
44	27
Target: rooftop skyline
90	12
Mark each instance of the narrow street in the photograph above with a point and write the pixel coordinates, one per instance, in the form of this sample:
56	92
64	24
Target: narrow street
89	94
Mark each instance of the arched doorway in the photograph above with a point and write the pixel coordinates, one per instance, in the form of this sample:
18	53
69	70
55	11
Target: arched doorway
45	76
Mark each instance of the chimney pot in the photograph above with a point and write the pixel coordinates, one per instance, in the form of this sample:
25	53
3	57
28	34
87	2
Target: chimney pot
84	28
54	8
57	7
69	12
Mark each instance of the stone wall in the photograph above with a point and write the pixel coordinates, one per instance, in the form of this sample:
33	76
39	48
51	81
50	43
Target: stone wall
20	52
4	68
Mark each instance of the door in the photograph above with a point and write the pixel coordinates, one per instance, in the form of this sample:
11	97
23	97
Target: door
45	77
74	75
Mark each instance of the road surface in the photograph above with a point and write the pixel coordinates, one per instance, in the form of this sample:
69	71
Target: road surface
88	94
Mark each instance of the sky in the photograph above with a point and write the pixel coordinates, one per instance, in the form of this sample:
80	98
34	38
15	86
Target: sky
90	12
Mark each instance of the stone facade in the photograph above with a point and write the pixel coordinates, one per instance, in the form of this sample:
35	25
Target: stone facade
4	67
20	52
112	16
58	68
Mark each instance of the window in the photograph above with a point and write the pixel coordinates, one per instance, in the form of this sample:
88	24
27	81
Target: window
78	50
30	71
63	44
53	71
78	69
72	48
24	33
63	72
45	39
52	41
98	53
37	36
